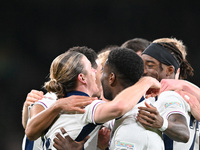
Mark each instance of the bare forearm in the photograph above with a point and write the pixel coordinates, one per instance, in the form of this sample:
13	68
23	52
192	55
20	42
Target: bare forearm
192	89
129	97
177	128
123	102
40	122
177	132
31	98
24	116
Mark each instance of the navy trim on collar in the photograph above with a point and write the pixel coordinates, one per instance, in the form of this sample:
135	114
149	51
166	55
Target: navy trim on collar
76	93
141	99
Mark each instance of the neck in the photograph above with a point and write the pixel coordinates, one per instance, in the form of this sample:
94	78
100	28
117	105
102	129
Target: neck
117	89
84	89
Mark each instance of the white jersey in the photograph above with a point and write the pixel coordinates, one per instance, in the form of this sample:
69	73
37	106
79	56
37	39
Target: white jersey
77	126
47	101
128	134
170	102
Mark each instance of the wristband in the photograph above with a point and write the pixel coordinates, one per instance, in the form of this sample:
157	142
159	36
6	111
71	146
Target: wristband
165	125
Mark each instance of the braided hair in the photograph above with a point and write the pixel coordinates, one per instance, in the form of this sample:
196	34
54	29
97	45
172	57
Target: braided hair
185	68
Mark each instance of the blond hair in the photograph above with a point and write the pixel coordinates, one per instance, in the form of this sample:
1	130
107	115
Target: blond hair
178	50
64	71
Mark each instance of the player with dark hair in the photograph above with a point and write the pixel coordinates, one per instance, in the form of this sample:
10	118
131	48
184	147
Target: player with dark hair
136	44
172	114
97	111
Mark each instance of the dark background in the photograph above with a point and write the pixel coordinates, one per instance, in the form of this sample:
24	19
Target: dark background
34	32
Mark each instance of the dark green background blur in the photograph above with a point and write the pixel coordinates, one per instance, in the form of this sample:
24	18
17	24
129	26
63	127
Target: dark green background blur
34	32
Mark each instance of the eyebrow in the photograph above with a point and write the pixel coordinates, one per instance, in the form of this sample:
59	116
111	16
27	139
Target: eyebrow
150	61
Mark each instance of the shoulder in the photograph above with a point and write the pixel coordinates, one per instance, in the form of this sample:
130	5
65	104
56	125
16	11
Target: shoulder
48	100
95	103
169	94
171	97
171	102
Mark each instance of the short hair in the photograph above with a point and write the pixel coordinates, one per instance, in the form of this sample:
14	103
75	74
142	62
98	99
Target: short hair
136	44
64	71
103	54
88	52
178	50
126	64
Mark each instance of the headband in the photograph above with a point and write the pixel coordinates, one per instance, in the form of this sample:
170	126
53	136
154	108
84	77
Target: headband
161	54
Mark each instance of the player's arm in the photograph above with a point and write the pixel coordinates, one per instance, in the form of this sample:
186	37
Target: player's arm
193	102
192	97
177	128
31	98
42	118
172	84
125	100
177	125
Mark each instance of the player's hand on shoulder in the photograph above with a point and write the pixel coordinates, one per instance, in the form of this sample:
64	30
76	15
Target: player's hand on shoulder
33	97
74	104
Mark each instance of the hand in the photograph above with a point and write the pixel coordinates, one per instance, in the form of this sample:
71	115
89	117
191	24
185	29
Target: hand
171	85
193	102
154	88
67	143
149	117
152	92
74	103
103	138
33	97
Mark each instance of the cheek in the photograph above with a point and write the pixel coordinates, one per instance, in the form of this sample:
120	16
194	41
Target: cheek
98	81
98	76
162	75
153	73
102	77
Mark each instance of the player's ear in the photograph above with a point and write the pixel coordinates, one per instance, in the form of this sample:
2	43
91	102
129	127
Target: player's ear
81	78
170	70
112	78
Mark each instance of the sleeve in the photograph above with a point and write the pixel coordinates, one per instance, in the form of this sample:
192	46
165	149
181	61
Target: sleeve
88	116
170	102
47	101
109	124
199	134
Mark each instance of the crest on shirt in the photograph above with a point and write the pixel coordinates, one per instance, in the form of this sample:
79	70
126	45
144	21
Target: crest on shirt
124	145
173	104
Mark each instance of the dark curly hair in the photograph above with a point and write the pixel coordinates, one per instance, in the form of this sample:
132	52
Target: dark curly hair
126	64
136	44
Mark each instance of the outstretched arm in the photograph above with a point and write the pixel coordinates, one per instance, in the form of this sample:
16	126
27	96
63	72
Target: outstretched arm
177	125
126	100
67	143
185	88
193	102
41	119
31	98
172	84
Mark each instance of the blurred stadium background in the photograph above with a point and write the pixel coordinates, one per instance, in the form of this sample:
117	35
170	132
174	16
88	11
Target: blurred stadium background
33	33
